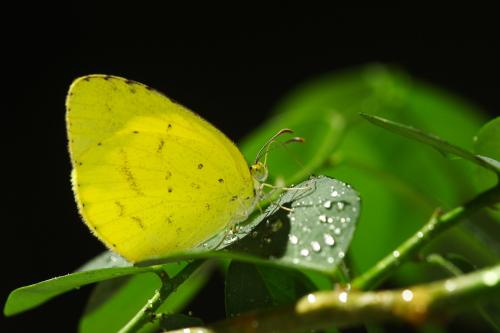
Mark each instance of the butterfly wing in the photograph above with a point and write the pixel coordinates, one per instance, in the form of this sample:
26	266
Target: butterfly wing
149	176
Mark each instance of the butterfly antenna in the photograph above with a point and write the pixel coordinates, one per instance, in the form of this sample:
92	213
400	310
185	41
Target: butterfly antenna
264	150
296	139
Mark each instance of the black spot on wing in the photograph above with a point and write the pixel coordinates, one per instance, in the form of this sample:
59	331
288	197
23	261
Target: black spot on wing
129	176
200	166
160	146
138	220
121	208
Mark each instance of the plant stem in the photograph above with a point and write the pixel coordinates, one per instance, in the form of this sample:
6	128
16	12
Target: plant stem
148	312
324	309
438	223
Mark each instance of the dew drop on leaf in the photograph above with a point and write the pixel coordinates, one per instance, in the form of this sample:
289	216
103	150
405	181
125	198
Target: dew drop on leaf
329	239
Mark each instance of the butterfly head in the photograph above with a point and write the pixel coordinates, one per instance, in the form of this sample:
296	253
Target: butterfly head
259	171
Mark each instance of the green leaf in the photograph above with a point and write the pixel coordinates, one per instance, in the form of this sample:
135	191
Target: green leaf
31	296
250	287
114	302
314	235
487	143
487	140
364	156
309	227
245	289
434	141
178	321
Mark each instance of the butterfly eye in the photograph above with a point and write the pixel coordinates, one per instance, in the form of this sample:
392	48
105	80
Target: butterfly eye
259	171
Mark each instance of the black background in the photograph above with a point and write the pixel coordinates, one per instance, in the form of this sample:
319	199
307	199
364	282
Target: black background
230	65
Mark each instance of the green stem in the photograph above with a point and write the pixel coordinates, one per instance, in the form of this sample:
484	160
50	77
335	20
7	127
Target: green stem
323	309
148	312
451	268
435	226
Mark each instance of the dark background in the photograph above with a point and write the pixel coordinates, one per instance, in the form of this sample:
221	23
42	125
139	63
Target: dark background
230	65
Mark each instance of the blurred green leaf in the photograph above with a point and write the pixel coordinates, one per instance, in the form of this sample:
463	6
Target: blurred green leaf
433	141
487	143
487	140
114	302
178	321
250	287
245	289
401	181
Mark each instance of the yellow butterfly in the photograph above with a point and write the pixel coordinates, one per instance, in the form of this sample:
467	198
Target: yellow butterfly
149	176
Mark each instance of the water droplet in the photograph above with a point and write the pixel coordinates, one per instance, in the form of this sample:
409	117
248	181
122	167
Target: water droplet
292	218
329	220
420	234
295	260
450	285
407	295
490	278
337	231
293	239
340	205
190	313
267	240
395	254
343	297
311	298
322	218
341	254
315	246
342	220
304	252
327	204
335	194
330	260
329	239
254	234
